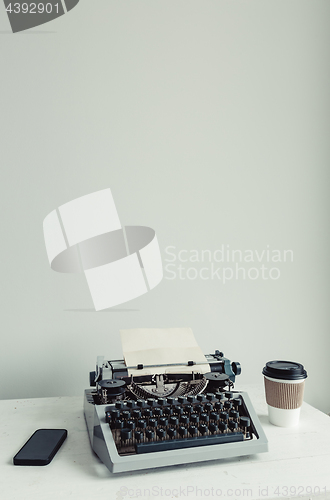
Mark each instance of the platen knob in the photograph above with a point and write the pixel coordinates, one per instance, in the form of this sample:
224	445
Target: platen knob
236	367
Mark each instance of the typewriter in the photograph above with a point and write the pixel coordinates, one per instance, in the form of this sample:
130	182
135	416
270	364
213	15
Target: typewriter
155	420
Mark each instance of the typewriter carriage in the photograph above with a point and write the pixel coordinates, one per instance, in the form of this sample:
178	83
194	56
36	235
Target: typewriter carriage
113	383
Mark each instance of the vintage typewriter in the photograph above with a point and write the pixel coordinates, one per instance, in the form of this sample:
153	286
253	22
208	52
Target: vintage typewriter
145	421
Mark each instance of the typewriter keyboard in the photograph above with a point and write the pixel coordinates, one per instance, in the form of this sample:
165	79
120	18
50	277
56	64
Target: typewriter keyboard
151	425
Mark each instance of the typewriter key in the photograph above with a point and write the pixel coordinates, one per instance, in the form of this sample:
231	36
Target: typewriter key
208	407
204	417
233	414
228	405
224	415
218	406
237	402
119	424
163	421
179	410
189	409
171	432
182	431
193	431
161	401
222	426
229	395
201	398
194	418
158	412
245	422
151	402
203	429
174	421
141	403
119	405
130	424
199	409
191	399
153	422
170	401
115	414
138	435
126	414
214	416
147	413
168	411
213	428
150	434
126	434
161	433
136	414
232	425
182	400
141	424
131	404
210	397
184	419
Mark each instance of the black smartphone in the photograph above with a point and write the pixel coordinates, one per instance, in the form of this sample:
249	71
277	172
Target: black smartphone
41	448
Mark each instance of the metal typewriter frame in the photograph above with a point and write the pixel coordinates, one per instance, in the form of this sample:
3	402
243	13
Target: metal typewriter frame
103	444
102	440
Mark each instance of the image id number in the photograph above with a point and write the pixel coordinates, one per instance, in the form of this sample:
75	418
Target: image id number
32	8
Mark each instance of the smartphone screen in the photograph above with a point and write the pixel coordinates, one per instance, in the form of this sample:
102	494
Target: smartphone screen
41	448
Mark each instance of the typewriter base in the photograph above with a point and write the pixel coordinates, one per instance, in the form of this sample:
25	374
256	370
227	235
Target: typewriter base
103	444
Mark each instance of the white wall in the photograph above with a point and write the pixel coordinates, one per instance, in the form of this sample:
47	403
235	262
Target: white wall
209	121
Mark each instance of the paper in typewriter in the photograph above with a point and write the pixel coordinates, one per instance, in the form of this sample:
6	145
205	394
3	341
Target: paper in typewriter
161	348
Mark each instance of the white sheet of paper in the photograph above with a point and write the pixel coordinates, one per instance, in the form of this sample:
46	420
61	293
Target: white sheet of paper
162	346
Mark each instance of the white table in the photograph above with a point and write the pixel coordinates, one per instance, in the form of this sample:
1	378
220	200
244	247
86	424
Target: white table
298	461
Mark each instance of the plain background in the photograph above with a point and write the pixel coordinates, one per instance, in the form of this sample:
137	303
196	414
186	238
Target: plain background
209	121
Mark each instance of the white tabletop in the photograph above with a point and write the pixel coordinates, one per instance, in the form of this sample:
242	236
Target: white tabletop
297	464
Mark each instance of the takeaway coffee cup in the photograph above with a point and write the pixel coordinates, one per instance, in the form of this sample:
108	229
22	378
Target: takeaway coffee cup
284	388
